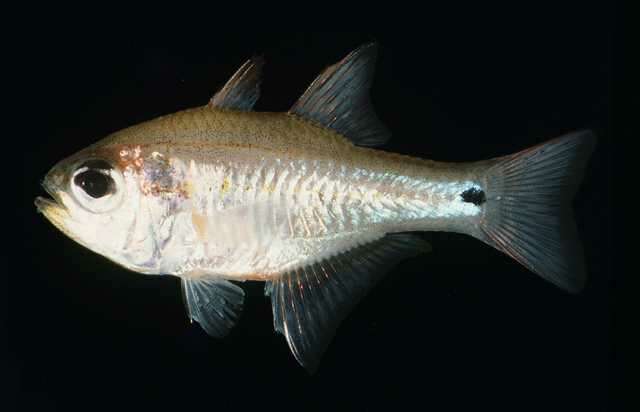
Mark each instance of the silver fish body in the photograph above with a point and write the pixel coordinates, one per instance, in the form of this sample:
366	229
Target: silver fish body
251	211
302	201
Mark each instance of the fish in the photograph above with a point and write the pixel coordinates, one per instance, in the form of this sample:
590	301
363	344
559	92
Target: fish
305	201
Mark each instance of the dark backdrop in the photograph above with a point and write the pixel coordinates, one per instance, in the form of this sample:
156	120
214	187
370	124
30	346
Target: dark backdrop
464	327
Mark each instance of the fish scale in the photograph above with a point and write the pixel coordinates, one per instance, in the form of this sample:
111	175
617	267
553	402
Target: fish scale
311	215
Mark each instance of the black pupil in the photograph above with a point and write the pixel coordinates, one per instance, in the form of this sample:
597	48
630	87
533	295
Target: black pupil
94	183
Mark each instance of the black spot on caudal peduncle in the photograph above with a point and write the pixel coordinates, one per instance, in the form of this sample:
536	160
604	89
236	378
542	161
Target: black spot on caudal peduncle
474	195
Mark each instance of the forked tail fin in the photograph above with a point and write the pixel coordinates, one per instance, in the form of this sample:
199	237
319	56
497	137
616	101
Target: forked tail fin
528	208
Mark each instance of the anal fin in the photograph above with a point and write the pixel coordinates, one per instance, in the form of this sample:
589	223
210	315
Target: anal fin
216	304
309	303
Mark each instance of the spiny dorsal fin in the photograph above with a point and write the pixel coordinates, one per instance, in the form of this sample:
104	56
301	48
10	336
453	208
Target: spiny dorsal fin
339	99
309	303
216	304
243	88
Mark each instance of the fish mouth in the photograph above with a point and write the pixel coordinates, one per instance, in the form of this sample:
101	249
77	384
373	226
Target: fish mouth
52	208
43	203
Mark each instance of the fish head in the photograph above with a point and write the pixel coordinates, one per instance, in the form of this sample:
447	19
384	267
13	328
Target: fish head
96	200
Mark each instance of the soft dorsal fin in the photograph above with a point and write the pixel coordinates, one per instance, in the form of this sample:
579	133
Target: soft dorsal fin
216	304
243	88
309	303
339	99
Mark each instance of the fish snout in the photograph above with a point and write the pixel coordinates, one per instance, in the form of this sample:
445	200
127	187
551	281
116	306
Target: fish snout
52	183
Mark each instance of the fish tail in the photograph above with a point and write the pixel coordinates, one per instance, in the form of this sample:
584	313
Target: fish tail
528	208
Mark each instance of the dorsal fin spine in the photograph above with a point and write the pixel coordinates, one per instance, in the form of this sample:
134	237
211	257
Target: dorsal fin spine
242	90
338	99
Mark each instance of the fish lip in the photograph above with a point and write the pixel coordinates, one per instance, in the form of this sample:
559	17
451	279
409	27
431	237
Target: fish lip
53	209
42	203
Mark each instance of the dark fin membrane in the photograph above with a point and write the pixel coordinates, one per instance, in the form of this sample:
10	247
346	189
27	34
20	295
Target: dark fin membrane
528	208
339	99
243	88
309	303
215	304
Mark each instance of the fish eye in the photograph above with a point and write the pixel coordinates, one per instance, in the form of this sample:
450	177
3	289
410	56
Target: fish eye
96	185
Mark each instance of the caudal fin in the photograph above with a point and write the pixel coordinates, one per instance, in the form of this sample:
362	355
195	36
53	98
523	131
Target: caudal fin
528	208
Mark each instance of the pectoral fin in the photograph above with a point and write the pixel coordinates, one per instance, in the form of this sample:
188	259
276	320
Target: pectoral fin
216	304
309	303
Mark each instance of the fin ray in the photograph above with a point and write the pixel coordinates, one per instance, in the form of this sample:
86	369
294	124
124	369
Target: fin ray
242	90
216	304
339	99
309	303
528	214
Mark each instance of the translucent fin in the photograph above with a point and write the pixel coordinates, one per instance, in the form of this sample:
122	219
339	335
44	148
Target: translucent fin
215	304
528	208
309	303
339	99
243	88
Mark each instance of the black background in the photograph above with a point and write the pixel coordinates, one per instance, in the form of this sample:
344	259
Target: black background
464	327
